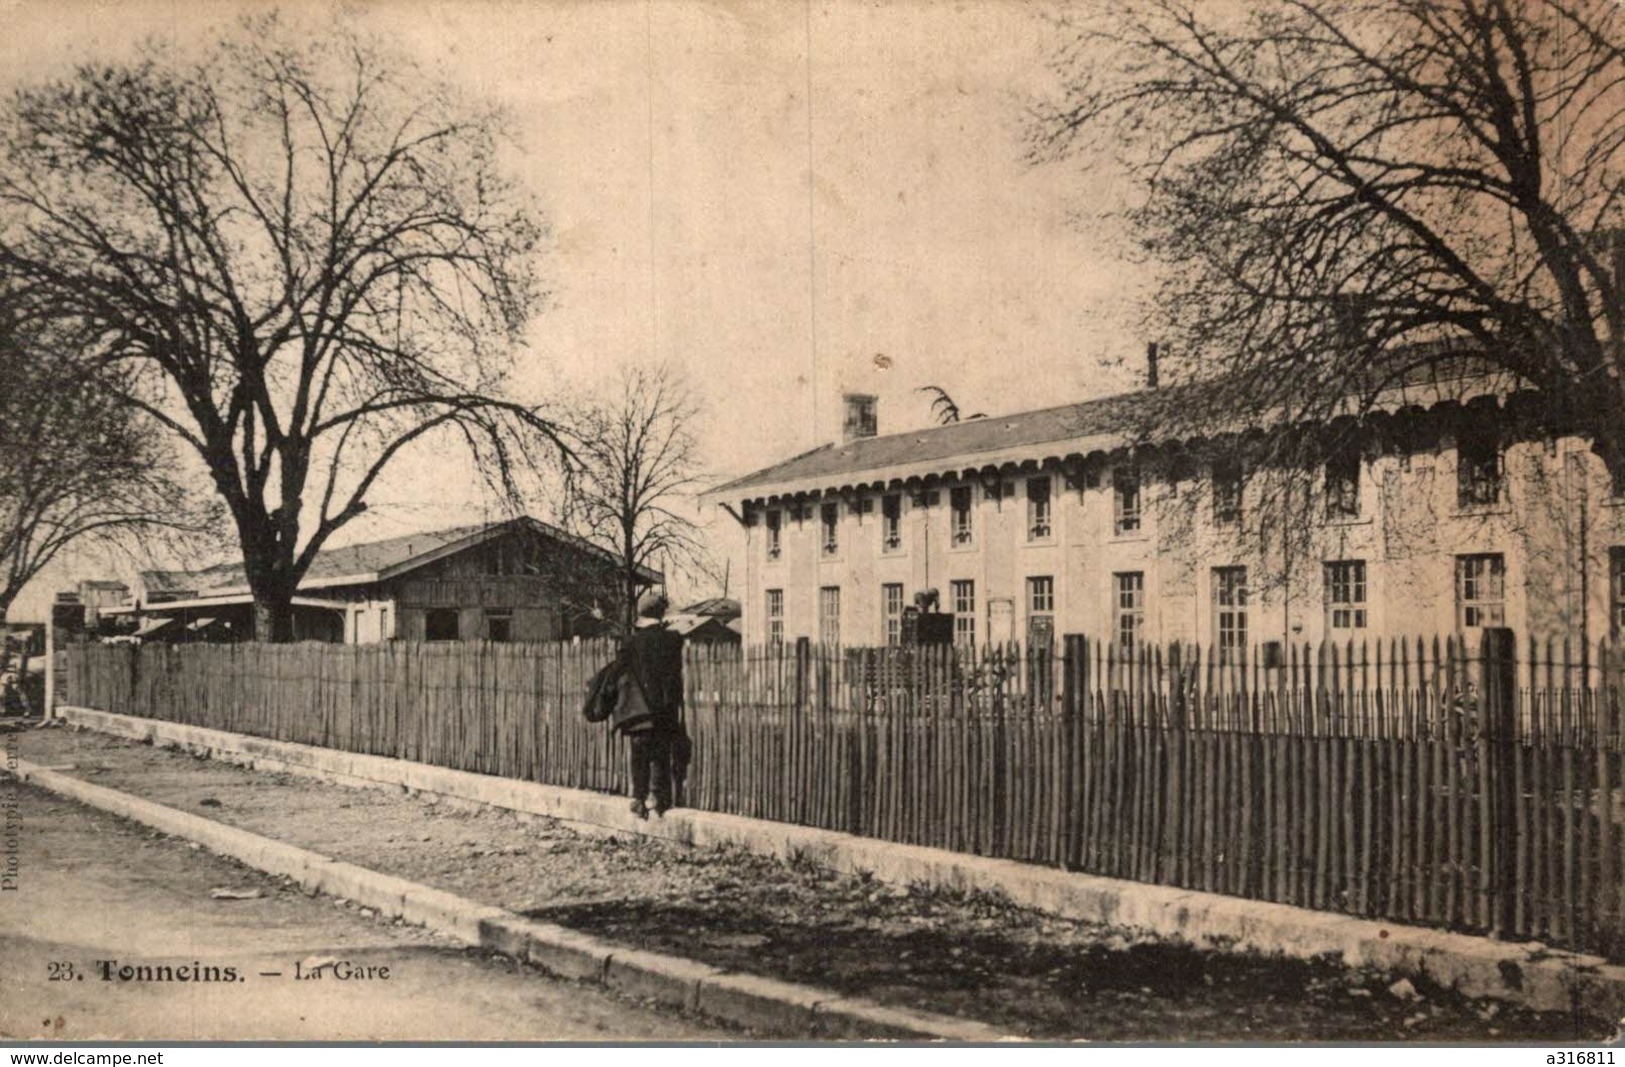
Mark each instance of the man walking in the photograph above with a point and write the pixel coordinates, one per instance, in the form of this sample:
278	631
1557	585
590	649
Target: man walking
648	706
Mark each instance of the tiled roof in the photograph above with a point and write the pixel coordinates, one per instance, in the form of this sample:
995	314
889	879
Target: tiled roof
718	607
1105	416
1103	422
361	561
367	558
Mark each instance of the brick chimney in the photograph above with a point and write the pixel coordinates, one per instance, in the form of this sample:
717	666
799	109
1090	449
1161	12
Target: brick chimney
860	419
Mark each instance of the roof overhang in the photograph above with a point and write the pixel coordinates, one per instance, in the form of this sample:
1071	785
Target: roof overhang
1037	453
225	601
918	470
450	548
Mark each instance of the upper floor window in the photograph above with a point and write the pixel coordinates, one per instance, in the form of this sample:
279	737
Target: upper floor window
1230	612
499	560
829	525
775	616
1343	485
891	600
891	522
1128	608
1345	595
963	594
774	525
1125	499
1478	467
1038	509
1481	590
959	505
1226	492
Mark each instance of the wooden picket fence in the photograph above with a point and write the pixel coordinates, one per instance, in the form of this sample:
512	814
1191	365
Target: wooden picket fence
1471	788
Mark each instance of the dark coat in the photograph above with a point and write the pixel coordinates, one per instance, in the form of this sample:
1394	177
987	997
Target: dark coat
642	690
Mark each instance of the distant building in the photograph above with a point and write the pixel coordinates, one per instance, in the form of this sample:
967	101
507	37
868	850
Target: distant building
80	610
1458	503
712	622
521	580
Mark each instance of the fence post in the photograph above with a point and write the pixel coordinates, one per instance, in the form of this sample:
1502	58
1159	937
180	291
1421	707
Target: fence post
1498	685
48	709
803	655
1074	684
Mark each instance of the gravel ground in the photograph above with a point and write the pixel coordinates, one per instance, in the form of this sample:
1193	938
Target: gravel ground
971	955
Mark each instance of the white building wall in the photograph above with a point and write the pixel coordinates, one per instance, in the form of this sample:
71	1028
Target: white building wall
1409	533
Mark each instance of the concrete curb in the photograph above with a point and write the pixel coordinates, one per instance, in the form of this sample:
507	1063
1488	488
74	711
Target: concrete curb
744	1000
1527	974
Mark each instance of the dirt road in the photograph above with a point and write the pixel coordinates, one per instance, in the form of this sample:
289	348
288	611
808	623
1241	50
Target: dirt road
93	889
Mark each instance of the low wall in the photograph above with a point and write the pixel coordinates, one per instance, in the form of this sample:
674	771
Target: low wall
1528	974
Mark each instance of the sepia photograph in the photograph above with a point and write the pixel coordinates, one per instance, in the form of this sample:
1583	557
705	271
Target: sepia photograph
813	522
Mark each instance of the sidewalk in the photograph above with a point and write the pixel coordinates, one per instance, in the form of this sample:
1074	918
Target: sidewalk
957	954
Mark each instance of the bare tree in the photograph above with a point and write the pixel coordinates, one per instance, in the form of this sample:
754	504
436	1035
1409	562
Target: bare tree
638	461
305	254
1344	192
76	465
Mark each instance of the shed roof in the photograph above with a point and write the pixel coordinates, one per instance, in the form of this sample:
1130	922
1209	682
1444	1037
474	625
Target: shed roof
373	561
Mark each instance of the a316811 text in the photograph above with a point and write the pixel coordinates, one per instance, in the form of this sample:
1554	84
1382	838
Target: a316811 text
11	824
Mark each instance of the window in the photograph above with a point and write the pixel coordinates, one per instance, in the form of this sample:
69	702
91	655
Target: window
440	624
964	598
1343	485
1226	492
1040	611
959	503
1041	595
829	616
1128	608
775	616
1038	509
1040	635
861	420
775	530
1478	468
1345	595
1616	591
1230	612
891	603
1125	500
499	626
1481	590
829	522
891	523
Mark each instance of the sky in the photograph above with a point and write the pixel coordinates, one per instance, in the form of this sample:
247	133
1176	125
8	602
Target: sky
785	200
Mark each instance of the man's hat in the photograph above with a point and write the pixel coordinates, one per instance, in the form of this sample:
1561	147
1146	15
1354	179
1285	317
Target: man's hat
652	605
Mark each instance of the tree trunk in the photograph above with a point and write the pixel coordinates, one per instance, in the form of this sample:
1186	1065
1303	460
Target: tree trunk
273	620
